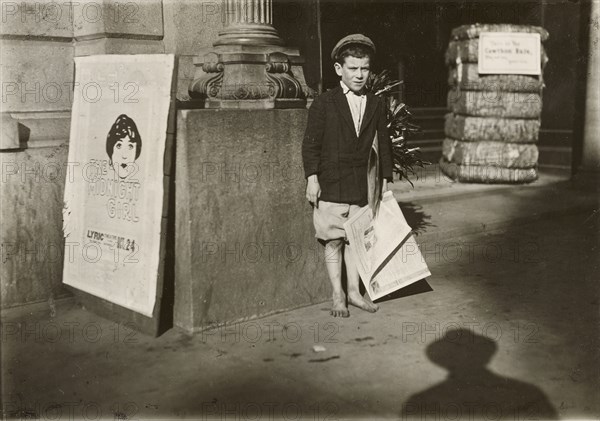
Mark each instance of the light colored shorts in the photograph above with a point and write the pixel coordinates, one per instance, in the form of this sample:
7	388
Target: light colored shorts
329	220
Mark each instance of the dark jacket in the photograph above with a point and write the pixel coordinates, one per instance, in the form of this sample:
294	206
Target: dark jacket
332	150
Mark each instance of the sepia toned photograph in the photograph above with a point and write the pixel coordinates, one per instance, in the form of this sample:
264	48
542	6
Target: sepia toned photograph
324	210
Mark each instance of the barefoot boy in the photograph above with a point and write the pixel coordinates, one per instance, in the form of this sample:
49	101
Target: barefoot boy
342	123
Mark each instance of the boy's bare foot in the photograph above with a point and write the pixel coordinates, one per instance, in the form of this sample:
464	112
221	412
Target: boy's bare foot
339	308
357	300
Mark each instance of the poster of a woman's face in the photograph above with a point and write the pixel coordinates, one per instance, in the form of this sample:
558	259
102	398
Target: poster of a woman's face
123	146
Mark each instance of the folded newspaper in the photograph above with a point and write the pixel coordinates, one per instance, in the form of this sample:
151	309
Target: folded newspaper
384	249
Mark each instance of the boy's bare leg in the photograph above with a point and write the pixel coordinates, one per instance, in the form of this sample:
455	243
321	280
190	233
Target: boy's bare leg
354	296
333	262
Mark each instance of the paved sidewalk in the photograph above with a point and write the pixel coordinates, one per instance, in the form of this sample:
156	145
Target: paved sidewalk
514	268
438	208
430	183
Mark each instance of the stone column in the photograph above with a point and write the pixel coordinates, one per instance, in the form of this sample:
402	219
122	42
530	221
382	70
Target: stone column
248	22
590	157
248	65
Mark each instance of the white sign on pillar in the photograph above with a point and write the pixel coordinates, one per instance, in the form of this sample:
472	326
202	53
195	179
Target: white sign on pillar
514	53
114	186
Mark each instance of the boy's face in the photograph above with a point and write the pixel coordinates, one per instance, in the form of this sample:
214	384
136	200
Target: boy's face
354	72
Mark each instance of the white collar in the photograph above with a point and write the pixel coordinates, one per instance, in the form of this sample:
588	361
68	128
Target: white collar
345	89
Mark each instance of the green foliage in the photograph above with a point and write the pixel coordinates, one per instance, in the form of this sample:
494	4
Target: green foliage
400	126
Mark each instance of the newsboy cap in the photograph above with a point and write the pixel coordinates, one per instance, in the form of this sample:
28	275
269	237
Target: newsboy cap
352	39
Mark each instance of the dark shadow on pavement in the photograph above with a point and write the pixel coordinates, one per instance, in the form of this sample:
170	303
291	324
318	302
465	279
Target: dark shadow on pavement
418	287
472	391
418	220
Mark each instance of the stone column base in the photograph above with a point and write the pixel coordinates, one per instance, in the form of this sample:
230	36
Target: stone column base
245	244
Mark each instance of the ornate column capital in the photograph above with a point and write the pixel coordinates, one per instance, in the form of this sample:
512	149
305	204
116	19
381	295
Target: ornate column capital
248	66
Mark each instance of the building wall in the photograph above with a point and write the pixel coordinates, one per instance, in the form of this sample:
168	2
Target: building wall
37	76
38	42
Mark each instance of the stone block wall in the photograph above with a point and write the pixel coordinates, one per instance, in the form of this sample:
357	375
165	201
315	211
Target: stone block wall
37	79
38	41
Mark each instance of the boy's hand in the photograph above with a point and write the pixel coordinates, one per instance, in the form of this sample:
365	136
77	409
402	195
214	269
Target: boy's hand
384	187
313	190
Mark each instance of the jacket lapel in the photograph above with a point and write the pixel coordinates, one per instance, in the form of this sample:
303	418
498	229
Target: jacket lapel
369	111
344	109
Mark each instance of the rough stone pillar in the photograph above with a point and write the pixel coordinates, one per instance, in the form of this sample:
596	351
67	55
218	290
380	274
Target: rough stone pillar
248	65
590	159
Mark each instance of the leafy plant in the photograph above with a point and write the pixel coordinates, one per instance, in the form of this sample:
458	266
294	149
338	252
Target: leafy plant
400	126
